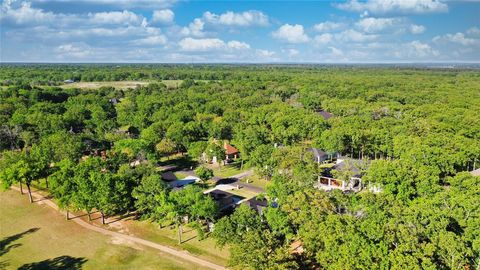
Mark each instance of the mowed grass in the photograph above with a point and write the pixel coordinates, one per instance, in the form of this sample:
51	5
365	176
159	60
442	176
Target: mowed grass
228	170
257	181
35	233
168	235
122	84
95	85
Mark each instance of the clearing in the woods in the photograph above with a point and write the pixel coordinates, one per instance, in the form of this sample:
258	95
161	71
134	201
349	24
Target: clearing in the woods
34	235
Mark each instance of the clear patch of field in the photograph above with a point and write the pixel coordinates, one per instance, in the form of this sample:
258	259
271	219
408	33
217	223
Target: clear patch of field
256	180
226	171
168	235
34	235
172	83
180	175
122	84
95	85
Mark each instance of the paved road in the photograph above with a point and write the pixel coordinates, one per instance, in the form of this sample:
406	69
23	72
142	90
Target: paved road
179	253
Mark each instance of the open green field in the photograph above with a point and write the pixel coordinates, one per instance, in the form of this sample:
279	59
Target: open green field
226	171
204	249
36	237
122	84
257	181
94	85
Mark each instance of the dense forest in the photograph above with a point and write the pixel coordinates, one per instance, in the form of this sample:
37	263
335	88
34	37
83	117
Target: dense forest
417	129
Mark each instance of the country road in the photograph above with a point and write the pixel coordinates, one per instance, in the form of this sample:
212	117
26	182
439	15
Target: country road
179	253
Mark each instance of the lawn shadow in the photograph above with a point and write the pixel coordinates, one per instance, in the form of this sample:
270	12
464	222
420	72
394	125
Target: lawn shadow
189	239
74	216
125	216
226	181
44	198
180	163
4	264
62	262
169	176
5	242
237	164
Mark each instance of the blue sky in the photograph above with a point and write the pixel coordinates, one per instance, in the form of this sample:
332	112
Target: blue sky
353	31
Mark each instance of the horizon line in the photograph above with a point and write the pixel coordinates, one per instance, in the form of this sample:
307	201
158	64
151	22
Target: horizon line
248	63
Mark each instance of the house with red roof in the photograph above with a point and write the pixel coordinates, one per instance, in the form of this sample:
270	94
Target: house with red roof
231	153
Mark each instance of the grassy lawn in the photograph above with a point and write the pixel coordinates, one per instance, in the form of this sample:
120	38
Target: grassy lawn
228	170
257	181
172	83
115	84
179	161
176	83
122	84
204	249
34	233
180	175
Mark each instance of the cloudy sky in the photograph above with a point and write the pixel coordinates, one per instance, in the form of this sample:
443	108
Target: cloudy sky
240	31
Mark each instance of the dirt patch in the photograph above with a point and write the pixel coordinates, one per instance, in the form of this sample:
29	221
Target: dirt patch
119	227
121	241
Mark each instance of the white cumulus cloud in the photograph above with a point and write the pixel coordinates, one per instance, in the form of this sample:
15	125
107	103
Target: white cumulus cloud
395	6
25	14
417	29
209	44
419	49
375	25
474	31
77	51
151	41
164	16
229	18
195	28
328	26
291	33
323	39
459	38
238	45
354	36
116	17
265	54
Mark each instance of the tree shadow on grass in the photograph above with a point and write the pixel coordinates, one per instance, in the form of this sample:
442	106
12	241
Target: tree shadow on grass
5	243
124	217
180	163
226	181
62	262
44	198
4	264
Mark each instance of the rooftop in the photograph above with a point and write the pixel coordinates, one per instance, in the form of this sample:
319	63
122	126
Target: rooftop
326	115
230	150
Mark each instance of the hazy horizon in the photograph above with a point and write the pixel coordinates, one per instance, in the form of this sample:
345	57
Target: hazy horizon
172	31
